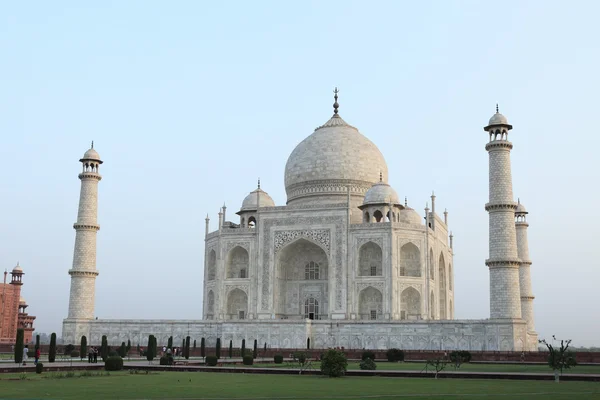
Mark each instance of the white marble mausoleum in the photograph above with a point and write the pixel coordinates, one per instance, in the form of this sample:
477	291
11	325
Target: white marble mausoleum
345	262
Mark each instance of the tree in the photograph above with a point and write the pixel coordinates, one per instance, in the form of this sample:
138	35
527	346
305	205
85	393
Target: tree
559	358
83	347
265	349
104	348
151	349
19	346
122	350
334	363
254	350
307	343
186	351
243	348
170	343
230	348
194	344
438	364
128	346
202	348
37	342
52	349
182	347
218	348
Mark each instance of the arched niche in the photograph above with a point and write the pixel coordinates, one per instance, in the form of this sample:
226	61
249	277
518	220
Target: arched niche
410	260
370	260
432	305
410	304
442	286
212	265
370	303
431	265
210	307
301	273
237	263
237	304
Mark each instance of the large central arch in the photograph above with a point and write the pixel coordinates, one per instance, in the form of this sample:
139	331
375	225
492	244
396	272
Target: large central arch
301	275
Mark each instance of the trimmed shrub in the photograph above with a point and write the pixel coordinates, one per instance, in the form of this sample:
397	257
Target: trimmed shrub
202	348
218	348
368	354
167	359
460	356
394	355
255	349
211	361
68	349
113	353
230	348
19	346
83	347
104	348
278	359
368	365
186	349
74	354
248	360
52	350
334	363
39	367
243	350
113	363
170	343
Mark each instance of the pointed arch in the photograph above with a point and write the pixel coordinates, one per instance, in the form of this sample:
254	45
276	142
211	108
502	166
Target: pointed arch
410	304
378	216
370	260
367	218
370	303
210	304
431	265
432	306
237	304
238	262
301	271
442	286
410	260
212	265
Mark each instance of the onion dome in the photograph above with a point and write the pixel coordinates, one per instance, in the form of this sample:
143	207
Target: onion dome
91	155
17	269
334	157
251	202
410	216
381	193
22	301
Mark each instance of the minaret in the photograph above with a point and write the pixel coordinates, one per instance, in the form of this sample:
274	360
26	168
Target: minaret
525	267
503	261
83	274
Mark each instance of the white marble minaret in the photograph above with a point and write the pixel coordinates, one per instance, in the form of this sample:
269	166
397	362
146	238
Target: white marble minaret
83	274
525	267
503	261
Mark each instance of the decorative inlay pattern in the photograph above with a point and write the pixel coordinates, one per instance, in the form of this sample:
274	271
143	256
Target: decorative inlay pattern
320	236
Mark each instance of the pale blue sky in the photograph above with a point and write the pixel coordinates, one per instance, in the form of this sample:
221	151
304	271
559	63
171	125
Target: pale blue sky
189	102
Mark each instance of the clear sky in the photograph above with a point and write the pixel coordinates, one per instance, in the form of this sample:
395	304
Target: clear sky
189	102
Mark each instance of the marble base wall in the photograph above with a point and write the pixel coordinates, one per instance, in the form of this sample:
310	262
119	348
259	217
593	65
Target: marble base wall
475	335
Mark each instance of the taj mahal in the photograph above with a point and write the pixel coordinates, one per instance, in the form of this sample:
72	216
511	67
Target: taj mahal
345	262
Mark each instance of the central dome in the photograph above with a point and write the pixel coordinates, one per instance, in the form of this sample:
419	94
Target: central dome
336	156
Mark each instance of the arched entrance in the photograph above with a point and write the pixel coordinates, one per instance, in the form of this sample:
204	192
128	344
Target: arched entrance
237	304
410	304
370	303
301	281
237	263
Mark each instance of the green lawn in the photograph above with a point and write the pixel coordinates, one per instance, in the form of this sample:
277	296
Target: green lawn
203	385
414	366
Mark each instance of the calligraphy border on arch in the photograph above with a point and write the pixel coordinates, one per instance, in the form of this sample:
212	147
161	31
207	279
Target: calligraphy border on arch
320	236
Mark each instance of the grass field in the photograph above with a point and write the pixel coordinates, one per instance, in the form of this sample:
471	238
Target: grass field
414	366
199	385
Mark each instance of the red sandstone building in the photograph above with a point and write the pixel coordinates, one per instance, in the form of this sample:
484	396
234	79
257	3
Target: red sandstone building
12	309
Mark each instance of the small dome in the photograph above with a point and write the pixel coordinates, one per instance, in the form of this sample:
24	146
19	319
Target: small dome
91	154
410	216
521	209
498	119
251	201
22	301
18	269
381	193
